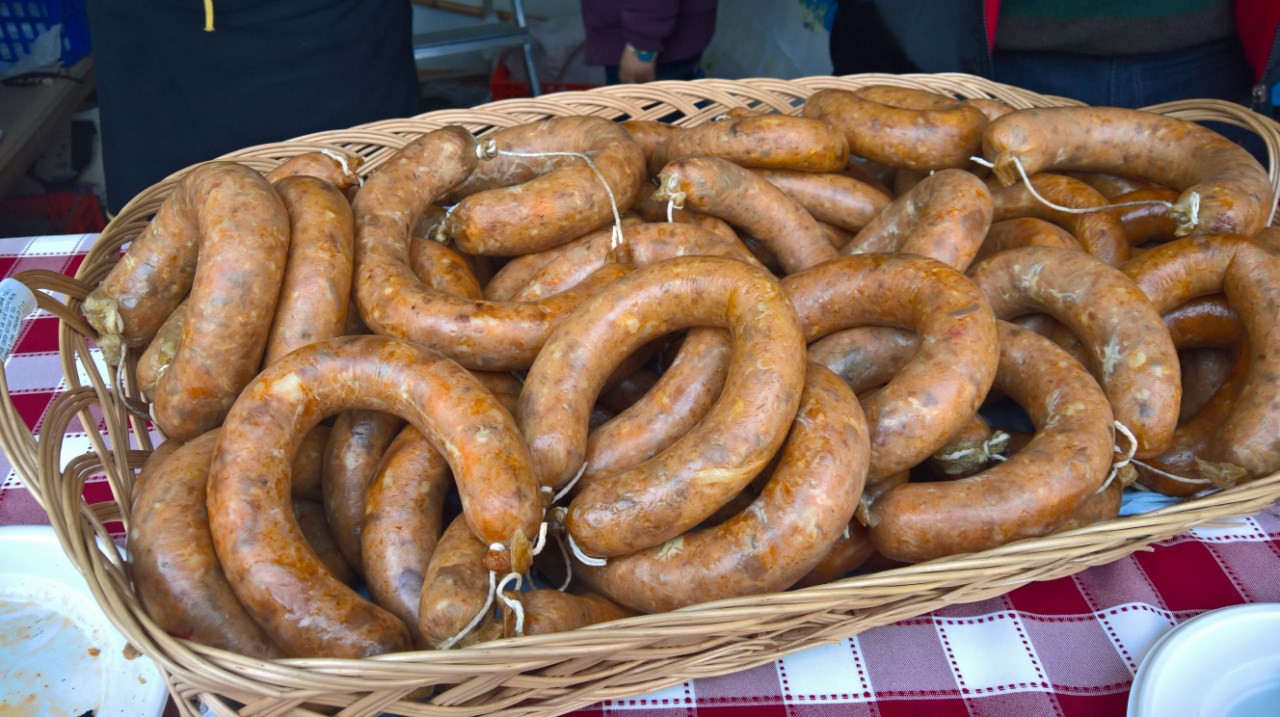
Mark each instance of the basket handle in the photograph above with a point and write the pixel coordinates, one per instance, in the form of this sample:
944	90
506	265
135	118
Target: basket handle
16	438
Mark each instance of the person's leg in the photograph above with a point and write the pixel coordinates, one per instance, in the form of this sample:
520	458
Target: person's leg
1217	70
1081	77
680	69
611	74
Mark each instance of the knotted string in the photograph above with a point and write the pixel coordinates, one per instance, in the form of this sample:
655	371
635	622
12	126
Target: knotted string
1186	220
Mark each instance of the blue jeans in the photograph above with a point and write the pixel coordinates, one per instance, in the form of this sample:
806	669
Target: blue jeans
1217	70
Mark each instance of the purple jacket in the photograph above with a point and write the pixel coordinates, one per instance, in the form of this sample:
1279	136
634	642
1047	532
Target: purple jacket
678	29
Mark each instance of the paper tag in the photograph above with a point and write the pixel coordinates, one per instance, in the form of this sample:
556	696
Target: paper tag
16	303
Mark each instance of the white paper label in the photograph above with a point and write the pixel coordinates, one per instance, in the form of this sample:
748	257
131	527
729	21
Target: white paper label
16	303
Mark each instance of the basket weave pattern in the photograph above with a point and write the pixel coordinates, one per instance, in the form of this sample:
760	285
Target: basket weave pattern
554	673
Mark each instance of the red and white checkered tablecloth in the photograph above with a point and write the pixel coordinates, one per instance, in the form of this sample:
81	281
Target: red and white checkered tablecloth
1065	648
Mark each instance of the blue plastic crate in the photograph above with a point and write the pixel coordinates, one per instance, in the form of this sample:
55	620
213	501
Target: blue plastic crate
22	21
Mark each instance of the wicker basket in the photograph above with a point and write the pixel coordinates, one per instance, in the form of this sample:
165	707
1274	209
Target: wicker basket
553	673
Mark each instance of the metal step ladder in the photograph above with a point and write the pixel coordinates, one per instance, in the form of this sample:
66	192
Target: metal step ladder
483	37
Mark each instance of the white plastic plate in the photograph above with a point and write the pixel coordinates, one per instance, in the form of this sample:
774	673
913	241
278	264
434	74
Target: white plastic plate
59	655
1224	663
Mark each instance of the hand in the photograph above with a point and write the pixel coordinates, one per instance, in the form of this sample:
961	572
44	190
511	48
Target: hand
631	70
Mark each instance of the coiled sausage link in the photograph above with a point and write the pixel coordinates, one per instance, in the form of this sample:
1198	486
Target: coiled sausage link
556	198
279	580
950	374
945	217
394	302
762	141
672	492
1030	494
1100	233
172	561
1234	191
1129	347
223	218
316	290
742	198
902	128
831	198
1248	442
806	504
356	445
402	522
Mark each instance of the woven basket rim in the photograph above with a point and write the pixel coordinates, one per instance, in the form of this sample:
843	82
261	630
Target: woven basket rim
701	640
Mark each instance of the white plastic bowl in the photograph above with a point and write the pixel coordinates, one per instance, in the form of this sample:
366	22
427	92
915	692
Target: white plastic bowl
1224	663
59	655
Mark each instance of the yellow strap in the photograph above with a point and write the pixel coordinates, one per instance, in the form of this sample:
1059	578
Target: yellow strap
208	15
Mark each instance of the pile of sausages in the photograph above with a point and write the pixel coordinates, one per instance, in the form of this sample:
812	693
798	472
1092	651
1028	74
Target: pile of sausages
665	365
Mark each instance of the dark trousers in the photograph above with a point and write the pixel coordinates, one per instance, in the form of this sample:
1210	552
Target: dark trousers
678	70
1216	70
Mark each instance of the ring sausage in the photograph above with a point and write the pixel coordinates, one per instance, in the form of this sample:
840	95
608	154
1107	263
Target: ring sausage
335	167
684	394
515	205
672	492
402	523
832	198
742	198
866	357
172	561
1022	232
281	583
1235	194
227	215
1248	442
1028	495
762	141
1193	438
316	291
948	378
308	465
1100	233
800	513
516	273
1129	347
356	445
902	128
651	135
159	354
394	302
644	244
1111	185
854	546
1149	222
315	530
455	587
548	611
944	217
443	269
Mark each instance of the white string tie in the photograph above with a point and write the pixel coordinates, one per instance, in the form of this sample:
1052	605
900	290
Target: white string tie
1170	476
569	486
616	239
1128	457
514	606
341	159
990	449
583	557
488	603
1192	212
541	542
